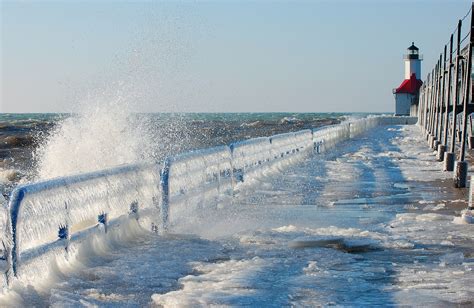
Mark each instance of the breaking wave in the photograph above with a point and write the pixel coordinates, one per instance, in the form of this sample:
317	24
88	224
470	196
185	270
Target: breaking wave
101	134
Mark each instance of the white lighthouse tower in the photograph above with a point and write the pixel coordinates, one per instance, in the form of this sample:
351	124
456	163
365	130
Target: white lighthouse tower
406	95
412	62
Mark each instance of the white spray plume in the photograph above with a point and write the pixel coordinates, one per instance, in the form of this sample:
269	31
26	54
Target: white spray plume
101	134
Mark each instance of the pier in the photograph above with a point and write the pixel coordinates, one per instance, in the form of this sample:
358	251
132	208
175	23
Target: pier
367	206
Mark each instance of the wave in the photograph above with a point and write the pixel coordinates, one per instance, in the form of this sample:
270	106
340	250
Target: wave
101	135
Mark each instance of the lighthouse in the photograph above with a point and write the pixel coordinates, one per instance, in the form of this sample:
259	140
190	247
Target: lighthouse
406	95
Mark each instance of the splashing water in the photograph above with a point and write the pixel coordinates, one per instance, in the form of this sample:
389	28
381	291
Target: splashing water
100	135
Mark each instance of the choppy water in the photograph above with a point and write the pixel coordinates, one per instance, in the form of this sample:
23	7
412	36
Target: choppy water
28	142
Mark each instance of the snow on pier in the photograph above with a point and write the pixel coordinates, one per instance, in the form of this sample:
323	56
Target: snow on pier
331	221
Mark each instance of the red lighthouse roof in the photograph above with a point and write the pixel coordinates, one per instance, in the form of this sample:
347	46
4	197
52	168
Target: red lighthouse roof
410	86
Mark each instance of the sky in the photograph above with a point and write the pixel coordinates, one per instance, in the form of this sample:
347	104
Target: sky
216	56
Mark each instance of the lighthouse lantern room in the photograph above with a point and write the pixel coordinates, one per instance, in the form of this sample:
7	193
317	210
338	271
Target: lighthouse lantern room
406	95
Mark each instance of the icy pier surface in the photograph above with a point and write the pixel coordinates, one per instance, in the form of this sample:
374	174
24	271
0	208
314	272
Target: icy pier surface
363	224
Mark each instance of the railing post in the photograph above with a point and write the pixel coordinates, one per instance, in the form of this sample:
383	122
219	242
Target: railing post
14	254
165	194
450	157
433	122
103	221
448	92
428	107
432	106
470	204
426	111
64	235
420	107
437	106
448	161
430	102
444	120
421	110
470	140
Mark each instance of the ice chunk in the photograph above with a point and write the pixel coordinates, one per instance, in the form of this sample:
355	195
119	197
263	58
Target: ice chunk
431	217
467	217
351	245
222	284
451	258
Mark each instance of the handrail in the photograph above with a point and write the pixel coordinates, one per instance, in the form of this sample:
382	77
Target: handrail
76	212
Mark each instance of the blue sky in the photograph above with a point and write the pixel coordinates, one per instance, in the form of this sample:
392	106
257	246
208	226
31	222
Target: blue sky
220	56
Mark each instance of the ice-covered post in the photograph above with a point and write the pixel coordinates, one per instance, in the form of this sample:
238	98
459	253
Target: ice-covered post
470	140
427	106
63	233
450	156
434	78
460	179
434	83
444	120
421	106
448	96
102	220
470	205
437	123
165	194
438	105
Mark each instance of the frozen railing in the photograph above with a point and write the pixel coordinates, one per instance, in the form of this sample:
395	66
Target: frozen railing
327	137
360	126
286	144
191	178
250	157
282	145
47	215
51	218
304	140
254	156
